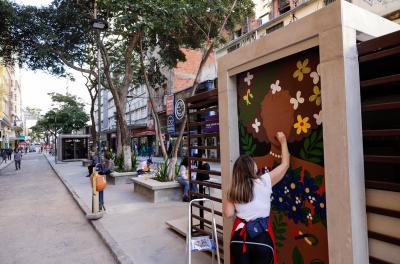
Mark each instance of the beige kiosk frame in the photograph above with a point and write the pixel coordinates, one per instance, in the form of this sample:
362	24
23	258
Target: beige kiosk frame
335	29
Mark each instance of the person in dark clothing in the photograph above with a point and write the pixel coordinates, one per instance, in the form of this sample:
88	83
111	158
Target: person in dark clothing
170	149
4	155
17	160
94	160
9	153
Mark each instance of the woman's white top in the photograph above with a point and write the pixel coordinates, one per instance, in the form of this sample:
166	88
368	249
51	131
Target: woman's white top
261	203
184	173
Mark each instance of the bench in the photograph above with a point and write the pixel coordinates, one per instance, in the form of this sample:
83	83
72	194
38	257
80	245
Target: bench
120	177
156	191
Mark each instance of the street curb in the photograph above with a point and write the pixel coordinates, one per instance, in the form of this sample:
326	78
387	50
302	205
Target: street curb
7	164
119	255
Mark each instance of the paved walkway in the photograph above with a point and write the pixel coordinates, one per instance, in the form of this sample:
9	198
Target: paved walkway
39	220
137	226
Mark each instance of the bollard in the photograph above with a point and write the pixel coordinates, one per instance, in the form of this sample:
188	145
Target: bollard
95	208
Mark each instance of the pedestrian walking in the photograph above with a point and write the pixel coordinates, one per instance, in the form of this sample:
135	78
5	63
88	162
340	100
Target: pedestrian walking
149	151
249	198
4	155
9	153
17	159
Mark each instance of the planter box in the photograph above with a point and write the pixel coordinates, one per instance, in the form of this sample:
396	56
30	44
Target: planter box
86	163
157	191
120	177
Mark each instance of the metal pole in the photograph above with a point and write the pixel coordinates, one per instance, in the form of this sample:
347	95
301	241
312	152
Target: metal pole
98	86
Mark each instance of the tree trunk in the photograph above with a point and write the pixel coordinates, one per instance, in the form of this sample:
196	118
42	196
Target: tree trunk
124	133
93	126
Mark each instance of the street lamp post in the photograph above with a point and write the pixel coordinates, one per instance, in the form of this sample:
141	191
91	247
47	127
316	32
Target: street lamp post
98	25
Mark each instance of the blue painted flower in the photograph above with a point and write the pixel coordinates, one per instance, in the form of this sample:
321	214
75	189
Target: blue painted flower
320	206
309	186
295	211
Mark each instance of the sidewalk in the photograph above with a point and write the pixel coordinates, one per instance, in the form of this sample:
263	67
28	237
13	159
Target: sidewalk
135	228
3	164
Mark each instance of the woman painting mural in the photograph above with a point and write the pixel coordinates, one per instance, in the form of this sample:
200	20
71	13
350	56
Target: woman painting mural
285	96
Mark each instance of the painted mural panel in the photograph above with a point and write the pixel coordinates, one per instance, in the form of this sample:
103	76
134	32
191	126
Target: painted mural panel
285	95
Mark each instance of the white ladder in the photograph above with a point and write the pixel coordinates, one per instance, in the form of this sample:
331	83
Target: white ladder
202	243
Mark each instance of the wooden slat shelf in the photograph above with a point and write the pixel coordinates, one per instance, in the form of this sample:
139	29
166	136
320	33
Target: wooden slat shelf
203	147
206	196
210	172
383	211
377	44
209	103
380	106
379	55
202	96
207	221
373	260
215	134
381	133
381	81
384	186
207	209
204	159
207	183
202	123
384	238
382	159
203	111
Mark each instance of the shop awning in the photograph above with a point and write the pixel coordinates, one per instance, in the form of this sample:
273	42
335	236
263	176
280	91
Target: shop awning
143	132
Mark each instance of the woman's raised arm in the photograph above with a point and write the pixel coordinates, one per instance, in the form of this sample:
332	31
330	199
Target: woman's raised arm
278	173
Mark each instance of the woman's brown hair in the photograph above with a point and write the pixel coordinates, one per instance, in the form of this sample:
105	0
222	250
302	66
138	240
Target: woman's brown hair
244	172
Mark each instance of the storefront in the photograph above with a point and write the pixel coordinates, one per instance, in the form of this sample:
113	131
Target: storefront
73	147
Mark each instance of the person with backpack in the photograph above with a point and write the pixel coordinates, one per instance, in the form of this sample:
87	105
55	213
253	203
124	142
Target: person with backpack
17	159
249	199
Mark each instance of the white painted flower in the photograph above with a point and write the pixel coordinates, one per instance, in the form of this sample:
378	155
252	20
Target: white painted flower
318	118
315	75
256	125
296	101
248	78
275	87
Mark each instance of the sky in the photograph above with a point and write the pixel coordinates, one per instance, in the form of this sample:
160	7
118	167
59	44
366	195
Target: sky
36	85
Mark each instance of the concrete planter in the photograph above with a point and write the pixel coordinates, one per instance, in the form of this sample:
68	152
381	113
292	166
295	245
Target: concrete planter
120	177
157	191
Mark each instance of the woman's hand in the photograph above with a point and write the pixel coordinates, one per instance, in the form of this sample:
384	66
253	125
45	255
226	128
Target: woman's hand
280	171
280	136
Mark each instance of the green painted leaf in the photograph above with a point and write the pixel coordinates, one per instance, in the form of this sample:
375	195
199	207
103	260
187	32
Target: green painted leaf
317	152
318	180
320	145
280	217
313	136
278	244
320	135
306	144
242	130
253	148
297	171
297	257
280	237
302	154
315	160
280	230
307	174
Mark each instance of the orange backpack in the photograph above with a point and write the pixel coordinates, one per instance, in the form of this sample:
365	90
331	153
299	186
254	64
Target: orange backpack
101	182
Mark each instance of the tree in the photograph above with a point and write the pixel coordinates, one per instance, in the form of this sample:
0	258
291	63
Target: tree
67	116
209	20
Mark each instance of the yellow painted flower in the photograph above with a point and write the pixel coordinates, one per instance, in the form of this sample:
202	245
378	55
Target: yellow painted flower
302	124
247	97
316	96
301	70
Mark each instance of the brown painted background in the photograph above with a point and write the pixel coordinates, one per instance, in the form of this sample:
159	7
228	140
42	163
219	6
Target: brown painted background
285	96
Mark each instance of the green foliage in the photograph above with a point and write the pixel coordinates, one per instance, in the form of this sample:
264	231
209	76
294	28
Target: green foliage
134	162
247	141
177	170
279	228
119	162
162	171
313	148
297	257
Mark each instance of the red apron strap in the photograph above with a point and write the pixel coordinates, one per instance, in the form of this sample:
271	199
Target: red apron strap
271	233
